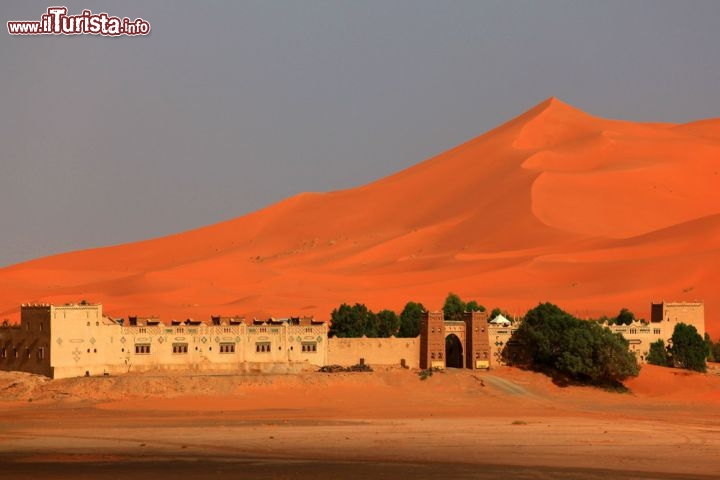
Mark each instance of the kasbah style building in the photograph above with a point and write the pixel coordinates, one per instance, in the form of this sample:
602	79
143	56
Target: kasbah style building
61	341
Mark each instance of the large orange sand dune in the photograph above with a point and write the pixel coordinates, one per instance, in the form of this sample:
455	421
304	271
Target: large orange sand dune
557	205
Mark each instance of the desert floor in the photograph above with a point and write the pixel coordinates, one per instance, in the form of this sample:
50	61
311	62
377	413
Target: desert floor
505	423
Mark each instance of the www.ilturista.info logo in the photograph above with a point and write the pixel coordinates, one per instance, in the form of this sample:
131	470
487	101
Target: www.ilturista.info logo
57	22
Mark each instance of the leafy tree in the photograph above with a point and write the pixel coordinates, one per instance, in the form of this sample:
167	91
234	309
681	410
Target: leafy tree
714	349
454	307
388	323
473	306
354	321
658	354
688	348
625	317
709	345
567	348
410	320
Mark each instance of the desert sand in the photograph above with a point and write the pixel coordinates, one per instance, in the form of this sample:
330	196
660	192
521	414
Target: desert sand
505	423
554	205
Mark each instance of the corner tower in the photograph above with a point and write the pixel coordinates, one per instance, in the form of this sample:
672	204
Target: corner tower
432	340
478	340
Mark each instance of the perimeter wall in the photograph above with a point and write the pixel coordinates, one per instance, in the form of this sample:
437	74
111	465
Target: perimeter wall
374	351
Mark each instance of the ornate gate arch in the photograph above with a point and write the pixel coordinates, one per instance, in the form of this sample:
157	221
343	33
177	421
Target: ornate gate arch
467	339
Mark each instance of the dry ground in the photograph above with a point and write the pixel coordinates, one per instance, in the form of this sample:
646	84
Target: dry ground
505	423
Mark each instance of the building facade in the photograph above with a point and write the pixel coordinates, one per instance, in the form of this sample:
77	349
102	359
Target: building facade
663	318
640	335
61	341
75	340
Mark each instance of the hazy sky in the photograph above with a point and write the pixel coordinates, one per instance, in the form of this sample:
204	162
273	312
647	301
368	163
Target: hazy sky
227	107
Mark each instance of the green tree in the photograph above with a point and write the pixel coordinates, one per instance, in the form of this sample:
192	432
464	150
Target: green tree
454	307
410	320
388	323
567	348
710	348
658	354
625	317
355	321
715	351
688	348
473	306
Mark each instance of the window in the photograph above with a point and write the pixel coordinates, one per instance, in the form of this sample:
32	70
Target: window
633	331
41	353
142	348
262	347
3	353
41	326
142	330
656	331
227	348
27	352
15	353
309	346
180	330
227	330
180	347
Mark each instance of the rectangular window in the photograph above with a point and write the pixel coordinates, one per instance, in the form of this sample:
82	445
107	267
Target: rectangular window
262	347
656	331
142	348
227	330
309	346
27	352
227	348
3	353
142	330
180	347
180	330
15	353
633	331
41	353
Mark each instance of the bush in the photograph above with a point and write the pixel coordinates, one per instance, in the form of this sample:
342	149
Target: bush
658	354
688	349
570	349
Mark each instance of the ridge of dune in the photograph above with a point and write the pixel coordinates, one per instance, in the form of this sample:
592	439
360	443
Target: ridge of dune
551	205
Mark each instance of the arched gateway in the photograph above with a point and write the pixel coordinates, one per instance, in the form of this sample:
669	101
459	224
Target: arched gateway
458	344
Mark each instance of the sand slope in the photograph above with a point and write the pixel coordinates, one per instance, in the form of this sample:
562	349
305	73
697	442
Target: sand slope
556	204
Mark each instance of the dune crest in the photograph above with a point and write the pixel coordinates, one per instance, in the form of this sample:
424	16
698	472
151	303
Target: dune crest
555	205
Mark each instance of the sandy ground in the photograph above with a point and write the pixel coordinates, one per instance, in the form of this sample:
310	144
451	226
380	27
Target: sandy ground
556	204
505	423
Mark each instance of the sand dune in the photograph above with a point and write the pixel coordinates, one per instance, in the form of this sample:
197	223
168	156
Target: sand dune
556	204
